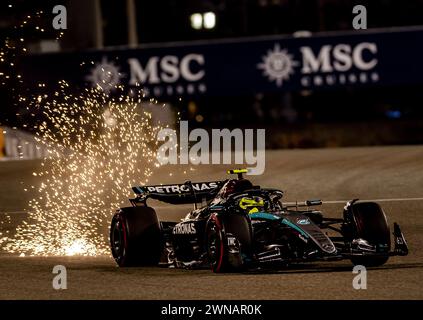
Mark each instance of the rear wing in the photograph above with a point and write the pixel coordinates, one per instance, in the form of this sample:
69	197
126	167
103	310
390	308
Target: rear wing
188	192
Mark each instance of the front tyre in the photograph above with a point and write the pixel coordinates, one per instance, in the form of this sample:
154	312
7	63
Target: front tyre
228	241
367	221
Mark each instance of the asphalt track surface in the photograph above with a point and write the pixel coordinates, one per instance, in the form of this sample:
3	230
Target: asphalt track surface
391	173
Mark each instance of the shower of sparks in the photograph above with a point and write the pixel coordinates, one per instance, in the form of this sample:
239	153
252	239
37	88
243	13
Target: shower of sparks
99	146
17	45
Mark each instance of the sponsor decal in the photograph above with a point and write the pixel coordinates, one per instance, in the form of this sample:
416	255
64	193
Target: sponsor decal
184	228
327	246
158	76
278	65
182	188
308	63
105	75
302	238
329	65
303	221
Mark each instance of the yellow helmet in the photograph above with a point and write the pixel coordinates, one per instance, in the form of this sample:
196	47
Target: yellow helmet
251	204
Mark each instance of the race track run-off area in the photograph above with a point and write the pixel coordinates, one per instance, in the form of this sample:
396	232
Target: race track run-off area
391	175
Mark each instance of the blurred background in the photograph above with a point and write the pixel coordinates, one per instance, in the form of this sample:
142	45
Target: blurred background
297	68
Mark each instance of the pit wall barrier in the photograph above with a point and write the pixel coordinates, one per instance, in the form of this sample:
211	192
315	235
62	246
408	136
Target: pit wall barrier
20	145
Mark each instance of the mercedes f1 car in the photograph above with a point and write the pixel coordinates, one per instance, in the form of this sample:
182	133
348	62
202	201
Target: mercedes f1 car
242	227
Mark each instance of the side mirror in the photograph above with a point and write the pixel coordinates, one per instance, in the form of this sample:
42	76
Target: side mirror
277	195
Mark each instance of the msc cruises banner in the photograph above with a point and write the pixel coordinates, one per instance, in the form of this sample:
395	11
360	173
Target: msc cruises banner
232	67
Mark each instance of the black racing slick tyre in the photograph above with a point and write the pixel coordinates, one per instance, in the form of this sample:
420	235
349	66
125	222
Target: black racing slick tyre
369	223
229	242
135	237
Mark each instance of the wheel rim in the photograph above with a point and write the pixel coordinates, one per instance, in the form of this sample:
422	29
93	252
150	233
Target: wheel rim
215	247
118	240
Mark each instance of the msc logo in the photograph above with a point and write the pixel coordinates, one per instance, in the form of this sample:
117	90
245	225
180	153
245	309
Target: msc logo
161	74
184	228
278	65
329	65
167	69
105	75
341	57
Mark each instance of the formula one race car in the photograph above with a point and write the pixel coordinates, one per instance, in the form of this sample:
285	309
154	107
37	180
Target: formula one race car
244	227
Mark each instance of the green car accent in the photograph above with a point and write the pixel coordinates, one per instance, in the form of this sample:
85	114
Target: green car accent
272	217
264	215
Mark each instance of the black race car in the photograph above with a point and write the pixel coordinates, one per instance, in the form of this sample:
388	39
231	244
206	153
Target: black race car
244	227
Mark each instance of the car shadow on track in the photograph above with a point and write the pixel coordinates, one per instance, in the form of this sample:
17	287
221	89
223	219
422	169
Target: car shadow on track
313	268
295	269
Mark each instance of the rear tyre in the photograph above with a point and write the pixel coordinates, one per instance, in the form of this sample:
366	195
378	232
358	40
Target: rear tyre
222	256
135	237
368	222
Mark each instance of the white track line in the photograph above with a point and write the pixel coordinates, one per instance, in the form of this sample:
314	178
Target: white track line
286	203
12	212
374	200
360	200
325	202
